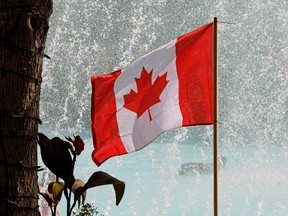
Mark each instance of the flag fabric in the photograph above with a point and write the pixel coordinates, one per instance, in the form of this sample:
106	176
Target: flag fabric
167	88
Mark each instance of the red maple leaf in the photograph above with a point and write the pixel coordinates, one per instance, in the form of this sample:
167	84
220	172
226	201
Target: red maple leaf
148	94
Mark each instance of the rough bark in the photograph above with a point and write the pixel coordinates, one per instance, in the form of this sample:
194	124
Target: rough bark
23	31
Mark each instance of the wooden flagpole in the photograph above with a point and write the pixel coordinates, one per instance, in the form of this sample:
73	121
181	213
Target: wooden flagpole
215	124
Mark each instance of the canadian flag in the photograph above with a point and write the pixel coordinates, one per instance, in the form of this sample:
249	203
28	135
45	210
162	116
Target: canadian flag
167	88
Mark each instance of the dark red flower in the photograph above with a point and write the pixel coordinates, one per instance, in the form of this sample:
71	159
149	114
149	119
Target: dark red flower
78	144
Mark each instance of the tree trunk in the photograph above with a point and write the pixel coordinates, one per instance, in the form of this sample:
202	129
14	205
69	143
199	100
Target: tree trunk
23	31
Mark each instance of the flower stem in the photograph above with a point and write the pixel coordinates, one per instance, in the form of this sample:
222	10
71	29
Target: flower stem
69	210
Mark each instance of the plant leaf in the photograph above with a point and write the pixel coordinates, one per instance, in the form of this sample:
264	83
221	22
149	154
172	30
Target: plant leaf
50	187
79	183
119	189
101	178
47	197
57	158
57	191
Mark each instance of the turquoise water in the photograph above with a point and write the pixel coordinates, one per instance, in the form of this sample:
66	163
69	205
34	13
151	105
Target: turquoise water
253	182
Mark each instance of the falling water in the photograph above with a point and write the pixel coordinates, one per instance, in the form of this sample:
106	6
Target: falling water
94	37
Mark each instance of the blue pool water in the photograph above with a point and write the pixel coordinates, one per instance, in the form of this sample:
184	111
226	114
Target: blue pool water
253	182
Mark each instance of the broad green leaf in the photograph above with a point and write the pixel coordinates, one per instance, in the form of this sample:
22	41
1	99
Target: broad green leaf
101	178
57	191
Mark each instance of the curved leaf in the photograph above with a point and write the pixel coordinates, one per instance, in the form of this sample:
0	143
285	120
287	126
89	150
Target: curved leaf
119	189
50	187
79	183
101	178
57	158
47	197
57	191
